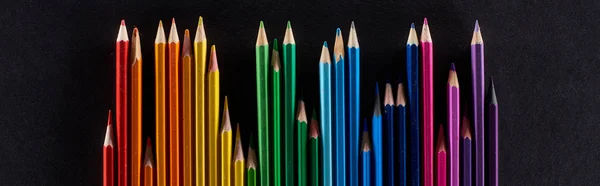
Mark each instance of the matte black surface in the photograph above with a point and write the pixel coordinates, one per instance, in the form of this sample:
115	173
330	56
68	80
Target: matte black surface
57	62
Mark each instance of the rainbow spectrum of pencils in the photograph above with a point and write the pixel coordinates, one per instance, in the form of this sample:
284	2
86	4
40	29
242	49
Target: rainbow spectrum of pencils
190	150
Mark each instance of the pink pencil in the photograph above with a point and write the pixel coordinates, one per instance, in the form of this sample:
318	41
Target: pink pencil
440	159
427	103
453	98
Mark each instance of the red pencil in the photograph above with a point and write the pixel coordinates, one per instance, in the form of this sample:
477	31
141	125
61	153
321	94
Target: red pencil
108	155
440	159
122	54
427	103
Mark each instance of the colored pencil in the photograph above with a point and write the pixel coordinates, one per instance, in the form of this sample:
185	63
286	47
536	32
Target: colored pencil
122	54
262	103
353	105
187	84
377	138
108	155
136	108
388	151
427	103
313	146
200	64
289	72
301	135
412	79
366	155
340	112
213	116
493	136
477	88
225	141
148	173
251	173
325	102
440	159
453	116
275	77
465	153
160	107
174	143
401	135
238	159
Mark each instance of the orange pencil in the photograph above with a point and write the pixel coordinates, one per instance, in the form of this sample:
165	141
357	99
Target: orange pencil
108	155
160	108
136	108
174	104
148	165
187	63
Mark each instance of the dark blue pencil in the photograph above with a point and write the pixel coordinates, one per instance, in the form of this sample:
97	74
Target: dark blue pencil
366	156
401	135
377	138
412	79
465	153
353	106
388	115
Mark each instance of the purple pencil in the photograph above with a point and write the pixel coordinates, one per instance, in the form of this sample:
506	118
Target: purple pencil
493	136
477	81
465	153
453	99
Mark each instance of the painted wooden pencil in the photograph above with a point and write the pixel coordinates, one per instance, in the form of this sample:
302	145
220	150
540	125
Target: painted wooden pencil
225	141
275	77
213	116
477	88
412	80
440	159
353	106
122	105
262	103
492	136
148	172
325	102
251	166
389	148
401	134
340	106
238	159
466	153
200	102
366	156
289	72
313	146
187	86
453	119
301	144
174	143
108	155
427	103
160	105
377	130
136	108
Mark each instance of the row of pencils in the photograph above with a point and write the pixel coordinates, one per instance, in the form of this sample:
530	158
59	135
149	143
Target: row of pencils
193	147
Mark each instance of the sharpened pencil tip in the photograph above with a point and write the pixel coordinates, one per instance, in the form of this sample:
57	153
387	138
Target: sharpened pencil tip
213	66
466	127
492	92
441	142
148	158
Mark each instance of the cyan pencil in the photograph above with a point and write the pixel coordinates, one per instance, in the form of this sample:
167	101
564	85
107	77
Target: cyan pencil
325	87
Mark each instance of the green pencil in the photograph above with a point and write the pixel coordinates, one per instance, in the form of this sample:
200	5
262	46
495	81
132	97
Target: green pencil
262	103
251	164
276	115
313	145
301	144
289	72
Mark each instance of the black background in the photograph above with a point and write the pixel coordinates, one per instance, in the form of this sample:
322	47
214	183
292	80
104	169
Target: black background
58	60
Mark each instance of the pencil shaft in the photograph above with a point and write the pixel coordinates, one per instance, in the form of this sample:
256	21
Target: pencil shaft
122	105
466	165
160	111
302	133
289	66
213	125
353	114
108	161
251	177
453	117
389	149
148	176
427	111
325	87
276	78
174	144
401	138
493	144
412	71
136	110
441	168
262	103
340	124
225	157
378	149
314	161
477	83
238	173
366	168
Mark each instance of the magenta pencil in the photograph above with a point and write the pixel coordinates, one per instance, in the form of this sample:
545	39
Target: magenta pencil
427	103
440	159
466	153
492	136
453	116
477	88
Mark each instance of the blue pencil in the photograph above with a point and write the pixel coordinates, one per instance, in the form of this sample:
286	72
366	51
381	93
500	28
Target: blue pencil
401	135
340	130
325	87
366	156
377	139
388	114
412	79
353	105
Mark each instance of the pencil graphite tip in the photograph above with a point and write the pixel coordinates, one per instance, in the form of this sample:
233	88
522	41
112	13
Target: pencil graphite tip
425	21
122	36
452	67
251	160
338	48
262	25
412	25
289	24
213	66
389	96
476	26
148	158
173	36
199	20
325	57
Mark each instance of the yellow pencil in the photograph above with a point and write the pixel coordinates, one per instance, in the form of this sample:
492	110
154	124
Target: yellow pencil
136	108
200	64
213	117
186	61
238	159
225	146
160	91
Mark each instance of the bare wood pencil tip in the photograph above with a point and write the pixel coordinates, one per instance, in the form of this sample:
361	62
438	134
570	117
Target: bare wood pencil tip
275	60
122	36
213	66
108	138
173	36
261	39
338	48
452	77
477	38
366	139
288	38
238	152
301	112
226	122
425	34
187	45
148	157
441	142
466	128
314	126
389	96
136	46
400	97
325	57
412	36
251	160
160	34
200	33
352	37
